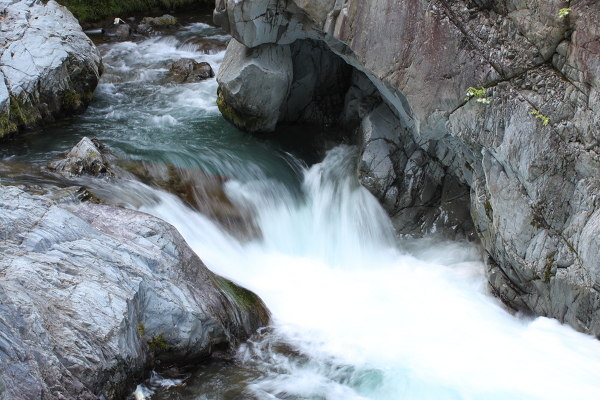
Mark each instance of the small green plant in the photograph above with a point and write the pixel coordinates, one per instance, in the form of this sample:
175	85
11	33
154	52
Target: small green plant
489	211
563	12
548	267
141	329
545	120
477	94
158	344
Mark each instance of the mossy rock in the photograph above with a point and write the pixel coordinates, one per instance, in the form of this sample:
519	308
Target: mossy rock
243	121
489	211
250	305
19	115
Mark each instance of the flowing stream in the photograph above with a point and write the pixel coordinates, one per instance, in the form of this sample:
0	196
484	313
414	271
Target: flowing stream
357	313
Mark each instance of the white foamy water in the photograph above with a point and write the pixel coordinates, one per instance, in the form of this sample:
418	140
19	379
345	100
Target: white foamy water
367	320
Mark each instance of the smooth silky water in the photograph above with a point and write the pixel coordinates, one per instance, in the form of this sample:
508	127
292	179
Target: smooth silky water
357	314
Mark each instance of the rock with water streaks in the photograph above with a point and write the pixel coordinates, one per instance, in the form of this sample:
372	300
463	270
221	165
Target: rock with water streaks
48	67
527	149
91	296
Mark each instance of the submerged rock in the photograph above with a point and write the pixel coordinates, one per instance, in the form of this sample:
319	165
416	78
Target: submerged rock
49	68
187	70
527	150
199	190
208	45
92	296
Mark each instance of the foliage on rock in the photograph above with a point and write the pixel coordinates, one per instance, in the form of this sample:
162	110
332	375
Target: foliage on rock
95	10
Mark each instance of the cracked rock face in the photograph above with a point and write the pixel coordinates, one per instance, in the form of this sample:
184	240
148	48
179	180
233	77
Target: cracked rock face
92	295
532	185
48	67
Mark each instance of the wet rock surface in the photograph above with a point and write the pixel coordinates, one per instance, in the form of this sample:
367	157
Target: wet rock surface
118	30
49	67
209	45
197	189
187	70
200	191
92	296
88	157
533	184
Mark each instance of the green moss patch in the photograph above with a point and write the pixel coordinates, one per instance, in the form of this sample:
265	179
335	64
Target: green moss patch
20	115
141	329
242	295
548	267
246	299
158	344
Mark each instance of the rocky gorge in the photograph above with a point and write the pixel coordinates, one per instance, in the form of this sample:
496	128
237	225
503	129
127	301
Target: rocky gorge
471	120
518	165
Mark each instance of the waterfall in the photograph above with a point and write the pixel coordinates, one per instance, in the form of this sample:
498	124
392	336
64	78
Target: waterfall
358	316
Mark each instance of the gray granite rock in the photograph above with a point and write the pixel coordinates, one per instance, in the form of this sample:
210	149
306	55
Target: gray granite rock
86	157
253	83
532	184
91	296
48	67
303	82
412	186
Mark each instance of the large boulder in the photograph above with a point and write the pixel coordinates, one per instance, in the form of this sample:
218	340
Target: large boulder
92	296
269	85
526	148
253	84
48	67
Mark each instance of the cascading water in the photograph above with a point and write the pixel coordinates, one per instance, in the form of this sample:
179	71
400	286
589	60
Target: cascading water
355	317
356	314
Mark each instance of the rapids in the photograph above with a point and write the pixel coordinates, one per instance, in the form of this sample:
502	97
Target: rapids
357	313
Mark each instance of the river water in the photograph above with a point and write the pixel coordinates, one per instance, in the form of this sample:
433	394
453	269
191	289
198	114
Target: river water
357	313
